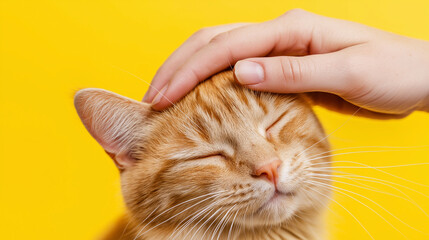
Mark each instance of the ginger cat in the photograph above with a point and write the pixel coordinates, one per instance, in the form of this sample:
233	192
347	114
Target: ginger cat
225	162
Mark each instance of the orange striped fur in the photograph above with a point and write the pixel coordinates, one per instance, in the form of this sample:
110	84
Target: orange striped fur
188	172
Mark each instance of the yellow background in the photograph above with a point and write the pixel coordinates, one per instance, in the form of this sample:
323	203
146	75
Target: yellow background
57	183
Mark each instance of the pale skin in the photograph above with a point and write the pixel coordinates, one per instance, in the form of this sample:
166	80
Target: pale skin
344	65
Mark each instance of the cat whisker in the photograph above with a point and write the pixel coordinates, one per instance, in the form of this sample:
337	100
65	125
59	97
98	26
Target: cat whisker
220	223
365	166
386	183
253	221
214	214
346	153
169	209
150	214
351	214
180	213
390	166
235	215
331	177
322	177
406	198
191	218
141	79
189	200
200	213
195	225
232	225
341	190
202	237
358	147
210	218
227	220
321	204
372	179
229	214
342	125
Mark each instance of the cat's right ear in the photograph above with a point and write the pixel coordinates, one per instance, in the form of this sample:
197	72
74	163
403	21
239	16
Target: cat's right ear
116	122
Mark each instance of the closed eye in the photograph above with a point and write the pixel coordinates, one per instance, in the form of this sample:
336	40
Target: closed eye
201	157
267	130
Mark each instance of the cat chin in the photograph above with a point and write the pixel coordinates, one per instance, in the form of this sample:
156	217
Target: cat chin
277	210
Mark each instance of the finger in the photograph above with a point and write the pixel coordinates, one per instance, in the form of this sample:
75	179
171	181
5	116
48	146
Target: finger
179	56
223	51
322	72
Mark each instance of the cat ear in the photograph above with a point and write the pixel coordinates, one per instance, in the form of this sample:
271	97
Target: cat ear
116	122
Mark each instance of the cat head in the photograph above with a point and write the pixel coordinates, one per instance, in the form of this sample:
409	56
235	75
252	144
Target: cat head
222	148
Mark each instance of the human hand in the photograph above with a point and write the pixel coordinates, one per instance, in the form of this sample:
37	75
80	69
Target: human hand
385	74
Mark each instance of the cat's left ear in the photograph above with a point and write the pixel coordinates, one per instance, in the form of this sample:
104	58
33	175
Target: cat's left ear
116	122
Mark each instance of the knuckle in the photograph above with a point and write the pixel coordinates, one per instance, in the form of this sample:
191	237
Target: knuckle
194	76
298	19
295	13
203	33
219	38
291	69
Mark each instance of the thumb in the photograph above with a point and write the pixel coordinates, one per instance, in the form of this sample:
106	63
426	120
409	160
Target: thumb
322	72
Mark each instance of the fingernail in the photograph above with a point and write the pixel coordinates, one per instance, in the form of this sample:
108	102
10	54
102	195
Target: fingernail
248	72
160	94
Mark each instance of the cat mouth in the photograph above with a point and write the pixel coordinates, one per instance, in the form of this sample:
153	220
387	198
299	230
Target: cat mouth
276	198
277	194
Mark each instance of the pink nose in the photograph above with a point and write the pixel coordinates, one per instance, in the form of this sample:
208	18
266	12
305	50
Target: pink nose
269	170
